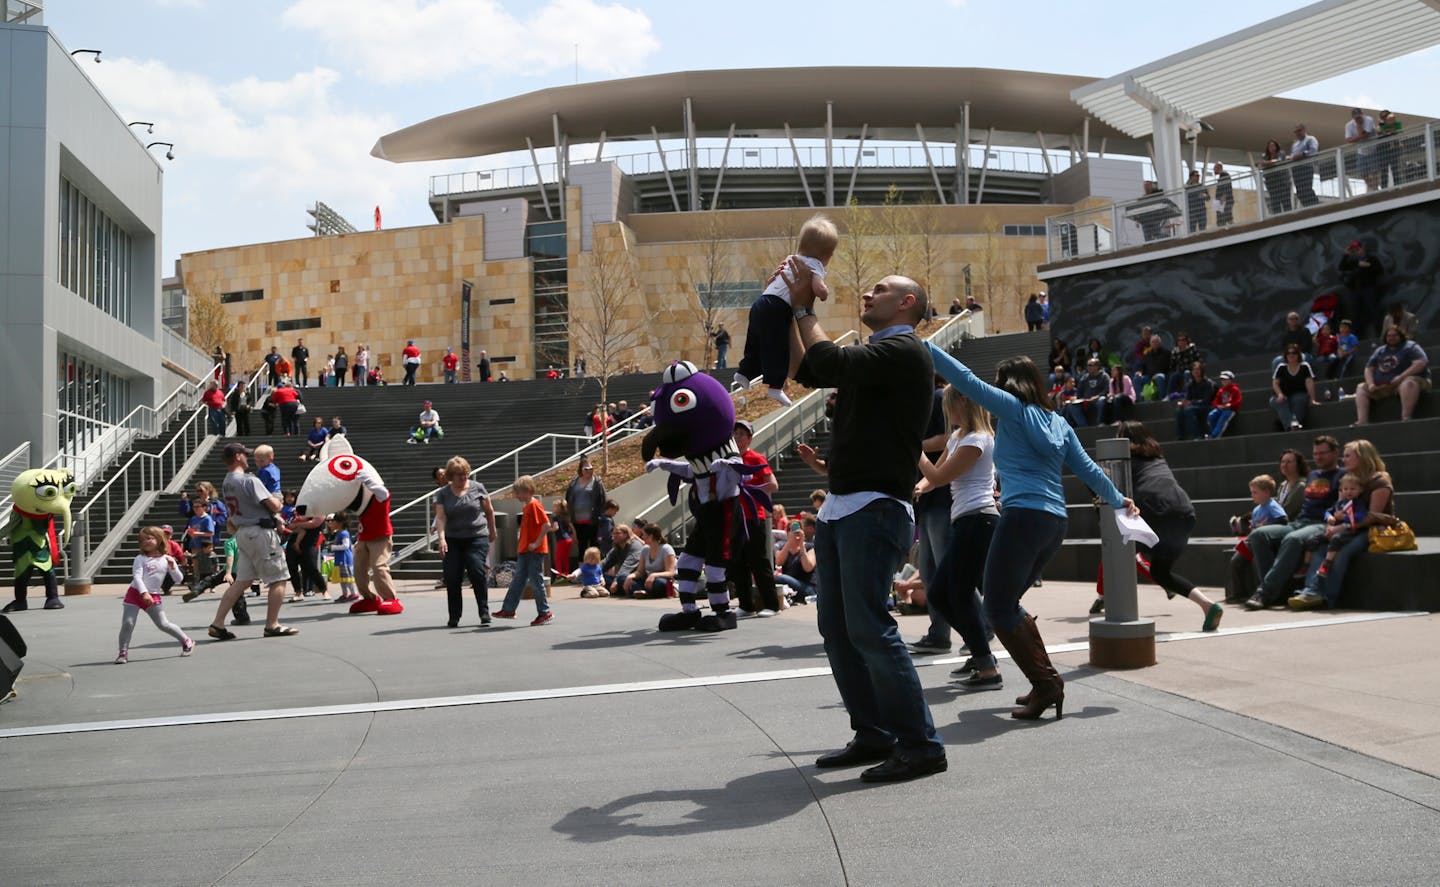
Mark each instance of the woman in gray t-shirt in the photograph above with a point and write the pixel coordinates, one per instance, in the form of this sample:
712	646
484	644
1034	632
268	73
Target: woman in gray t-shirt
465	522
656	570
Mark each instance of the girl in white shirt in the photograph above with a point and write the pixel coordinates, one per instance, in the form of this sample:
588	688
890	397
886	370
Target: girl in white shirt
968	467
148	574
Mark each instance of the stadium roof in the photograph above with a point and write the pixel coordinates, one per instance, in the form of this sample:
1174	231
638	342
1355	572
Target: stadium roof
1306	46
763	101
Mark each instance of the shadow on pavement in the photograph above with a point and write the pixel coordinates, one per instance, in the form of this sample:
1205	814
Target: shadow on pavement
633	637
777	651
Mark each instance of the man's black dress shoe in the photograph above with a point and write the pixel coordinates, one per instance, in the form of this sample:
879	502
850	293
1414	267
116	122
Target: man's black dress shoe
853	755
898	768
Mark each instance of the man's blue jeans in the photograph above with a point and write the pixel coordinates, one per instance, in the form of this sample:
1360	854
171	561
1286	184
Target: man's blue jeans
856	557
1278	549
1332	582
720	352
529	567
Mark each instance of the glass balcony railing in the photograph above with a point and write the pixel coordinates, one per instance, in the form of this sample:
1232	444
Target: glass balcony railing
1328	178
19	12
768	157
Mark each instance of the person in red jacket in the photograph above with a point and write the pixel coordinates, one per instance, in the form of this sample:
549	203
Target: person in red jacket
287	400
410	358
450	362
214	401
1226	403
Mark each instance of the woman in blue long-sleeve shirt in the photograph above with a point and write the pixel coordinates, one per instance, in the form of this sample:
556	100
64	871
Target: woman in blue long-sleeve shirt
1033	444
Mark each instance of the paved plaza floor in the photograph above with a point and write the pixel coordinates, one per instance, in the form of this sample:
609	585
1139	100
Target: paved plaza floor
1289	749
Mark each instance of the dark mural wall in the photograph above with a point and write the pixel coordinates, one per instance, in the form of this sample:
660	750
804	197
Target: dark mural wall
1233	300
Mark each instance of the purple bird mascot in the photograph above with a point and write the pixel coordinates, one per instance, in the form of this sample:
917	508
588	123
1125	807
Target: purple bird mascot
694	437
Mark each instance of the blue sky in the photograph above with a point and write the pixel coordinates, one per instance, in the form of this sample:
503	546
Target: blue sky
275	104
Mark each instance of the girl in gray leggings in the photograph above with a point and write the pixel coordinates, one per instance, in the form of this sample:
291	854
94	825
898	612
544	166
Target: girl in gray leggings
148	574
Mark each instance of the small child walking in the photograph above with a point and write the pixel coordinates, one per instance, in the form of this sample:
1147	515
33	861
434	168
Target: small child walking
530	562
767	333
148	574
592	579
344	555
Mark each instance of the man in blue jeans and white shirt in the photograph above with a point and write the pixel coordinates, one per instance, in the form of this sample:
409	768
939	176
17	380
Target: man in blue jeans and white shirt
884	393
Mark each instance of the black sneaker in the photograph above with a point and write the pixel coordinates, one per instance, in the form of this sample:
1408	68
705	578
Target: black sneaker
976	681
930	645
1254	602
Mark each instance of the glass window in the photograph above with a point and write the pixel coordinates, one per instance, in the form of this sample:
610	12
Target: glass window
95	254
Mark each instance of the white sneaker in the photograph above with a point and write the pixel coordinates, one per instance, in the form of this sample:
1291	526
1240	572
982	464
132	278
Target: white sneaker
742	614
766	612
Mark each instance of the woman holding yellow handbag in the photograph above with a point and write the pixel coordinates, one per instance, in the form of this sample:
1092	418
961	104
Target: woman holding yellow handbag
1360	458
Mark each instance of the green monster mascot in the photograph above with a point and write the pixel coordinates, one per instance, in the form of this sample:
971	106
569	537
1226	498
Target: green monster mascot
39	495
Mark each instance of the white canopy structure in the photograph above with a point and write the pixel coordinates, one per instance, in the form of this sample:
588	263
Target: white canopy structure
1317	42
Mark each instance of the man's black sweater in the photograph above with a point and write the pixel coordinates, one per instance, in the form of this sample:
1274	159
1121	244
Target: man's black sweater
883	395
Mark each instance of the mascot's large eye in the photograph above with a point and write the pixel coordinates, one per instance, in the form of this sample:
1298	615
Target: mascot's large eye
70	489
682	401
47	492
345	467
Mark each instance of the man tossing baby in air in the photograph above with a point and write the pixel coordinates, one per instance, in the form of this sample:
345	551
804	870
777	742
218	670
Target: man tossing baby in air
767	337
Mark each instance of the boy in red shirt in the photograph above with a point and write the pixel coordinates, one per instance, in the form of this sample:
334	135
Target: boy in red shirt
1226	404
530	563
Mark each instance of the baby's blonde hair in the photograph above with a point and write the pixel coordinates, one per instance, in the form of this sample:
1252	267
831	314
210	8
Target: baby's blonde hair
819	237
592	555
264	451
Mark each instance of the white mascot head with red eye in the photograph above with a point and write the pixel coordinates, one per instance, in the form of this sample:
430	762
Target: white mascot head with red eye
336	483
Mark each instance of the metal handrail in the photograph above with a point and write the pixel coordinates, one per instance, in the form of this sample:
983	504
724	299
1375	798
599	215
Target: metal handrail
21	453
154	474
1331	177
762	157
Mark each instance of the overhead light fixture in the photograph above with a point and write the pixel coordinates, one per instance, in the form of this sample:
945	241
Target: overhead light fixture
149	127
169	155
96	53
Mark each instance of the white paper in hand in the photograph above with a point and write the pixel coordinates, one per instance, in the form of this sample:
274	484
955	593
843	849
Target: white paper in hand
1133	528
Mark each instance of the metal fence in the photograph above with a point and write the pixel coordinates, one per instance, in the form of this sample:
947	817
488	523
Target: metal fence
1329	178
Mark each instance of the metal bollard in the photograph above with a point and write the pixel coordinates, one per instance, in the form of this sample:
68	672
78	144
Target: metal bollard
1120	638
75	580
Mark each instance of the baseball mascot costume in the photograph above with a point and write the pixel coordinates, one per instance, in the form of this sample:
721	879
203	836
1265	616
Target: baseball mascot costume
694	435
39	495
342	481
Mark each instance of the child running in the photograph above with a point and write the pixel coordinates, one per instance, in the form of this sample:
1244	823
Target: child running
148	574
767	334
530	562
344	555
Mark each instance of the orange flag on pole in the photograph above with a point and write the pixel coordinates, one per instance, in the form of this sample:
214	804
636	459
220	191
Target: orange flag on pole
377	217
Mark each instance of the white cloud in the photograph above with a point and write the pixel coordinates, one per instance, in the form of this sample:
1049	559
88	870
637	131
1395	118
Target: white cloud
253	154
400	41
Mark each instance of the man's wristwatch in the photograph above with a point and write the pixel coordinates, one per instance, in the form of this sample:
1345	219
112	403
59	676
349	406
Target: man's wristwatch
801	313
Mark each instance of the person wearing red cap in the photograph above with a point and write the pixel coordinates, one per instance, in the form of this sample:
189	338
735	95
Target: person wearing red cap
429	426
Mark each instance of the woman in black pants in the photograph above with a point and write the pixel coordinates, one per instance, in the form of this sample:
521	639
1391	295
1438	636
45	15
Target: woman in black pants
585	497
1033	444
968	466
302	556
465	522
1166	508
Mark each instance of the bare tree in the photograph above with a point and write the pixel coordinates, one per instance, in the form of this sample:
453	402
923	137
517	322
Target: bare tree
894	230
709	277
857	257
610	318
209	324
989	265
930	248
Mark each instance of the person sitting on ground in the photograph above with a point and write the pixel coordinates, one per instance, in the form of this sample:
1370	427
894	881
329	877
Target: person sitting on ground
1066	398
1376	500
1294	387
1326	346
1289	495
622	560
1340	522
1154	365
429	426
1138	350
654	576
1094	349
1197	393
315	441
1060	357
795	565
589	575
1398	367
1346	344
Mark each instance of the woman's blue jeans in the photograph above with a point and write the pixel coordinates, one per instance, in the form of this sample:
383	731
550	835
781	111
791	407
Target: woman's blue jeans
1024	542
1295	408
856	557
803	590
955	590
529	567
